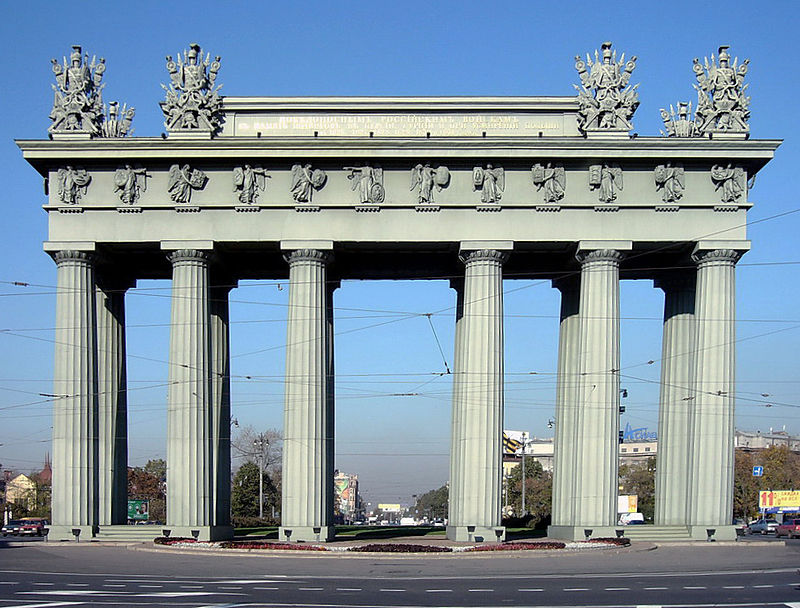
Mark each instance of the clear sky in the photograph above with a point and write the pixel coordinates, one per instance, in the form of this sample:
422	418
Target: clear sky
393	402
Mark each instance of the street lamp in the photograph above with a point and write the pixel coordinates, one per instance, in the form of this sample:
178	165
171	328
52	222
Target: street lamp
259	445
525	443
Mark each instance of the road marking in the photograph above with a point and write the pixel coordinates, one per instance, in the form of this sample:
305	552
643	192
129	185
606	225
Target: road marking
763	586
347	589
153	586
734	587
266	588
393	590
656	588
617	589
47	584
695	587
77	584
309	589
438	591
181	586
480	590
529	590
49	604
117	586
225	588
575	589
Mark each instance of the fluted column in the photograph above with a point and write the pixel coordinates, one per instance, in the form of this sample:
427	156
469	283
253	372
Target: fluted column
677	369
307	484
712	421
478	466
596	467
190	478
221	402
75	423
112	403
566	441
456	444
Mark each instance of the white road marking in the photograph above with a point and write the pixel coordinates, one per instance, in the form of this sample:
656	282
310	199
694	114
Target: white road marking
478	590
267	588
695	587
529	590
346	589
49	604
763	586
9	583
153	586
438	591
45	584
115	585
77	584
617	589
393	590
575	589
793	605
181	586
734	587
656	588
309	589
225	588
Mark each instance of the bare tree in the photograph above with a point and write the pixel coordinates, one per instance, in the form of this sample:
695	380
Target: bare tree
248	443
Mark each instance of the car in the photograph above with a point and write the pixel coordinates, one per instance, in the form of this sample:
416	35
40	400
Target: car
790	528
31	527
762	526
12	527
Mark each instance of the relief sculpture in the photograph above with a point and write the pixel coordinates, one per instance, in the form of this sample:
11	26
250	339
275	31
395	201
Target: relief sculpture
607	180
491	181
249	181
368	182
730	181
671	181
305	180
72	184
182	180
553	180
129	182
425	178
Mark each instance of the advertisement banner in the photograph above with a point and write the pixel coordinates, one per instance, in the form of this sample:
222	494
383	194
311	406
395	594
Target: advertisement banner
139	510
627	503
779	499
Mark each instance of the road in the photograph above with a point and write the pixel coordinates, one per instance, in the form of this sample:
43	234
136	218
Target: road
44	575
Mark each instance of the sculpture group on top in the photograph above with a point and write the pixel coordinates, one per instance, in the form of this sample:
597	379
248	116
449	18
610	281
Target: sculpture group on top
193	102
722	104
78	99
607	101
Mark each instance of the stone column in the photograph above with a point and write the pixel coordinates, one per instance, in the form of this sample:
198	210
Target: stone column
307	485
677	369
478	386
566	442
221	402
112	403
75	424
712	422
456	444
190	471
597	418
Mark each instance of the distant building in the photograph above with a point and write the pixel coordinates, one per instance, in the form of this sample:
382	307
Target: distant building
755	441
21	491
346	495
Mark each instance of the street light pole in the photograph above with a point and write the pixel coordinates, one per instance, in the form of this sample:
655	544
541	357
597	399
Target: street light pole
259	444
524	449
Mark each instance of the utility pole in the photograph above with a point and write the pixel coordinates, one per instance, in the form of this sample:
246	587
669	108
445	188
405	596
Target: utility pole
524	449
259	445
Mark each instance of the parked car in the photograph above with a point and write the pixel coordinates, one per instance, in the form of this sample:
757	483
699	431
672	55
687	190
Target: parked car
790	528
32	527
762	526
12	527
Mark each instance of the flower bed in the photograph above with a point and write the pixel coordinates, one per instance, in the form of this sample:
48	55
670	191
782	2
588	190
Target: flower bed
399	548
519	546
620	542
173	540
251	544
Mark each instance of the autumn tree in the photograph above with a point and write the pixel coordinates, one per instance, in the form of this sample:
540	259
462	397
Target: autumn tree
148	483
433	504
538	492
639	478
781	472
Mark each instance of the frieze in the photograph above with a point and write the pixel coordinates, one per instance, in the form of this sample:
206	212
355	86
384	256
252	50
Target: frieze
129	183
606	178
670	180
367	182
248	182
305	180
182	180
73	183
729	181
552	180
491	181
424	179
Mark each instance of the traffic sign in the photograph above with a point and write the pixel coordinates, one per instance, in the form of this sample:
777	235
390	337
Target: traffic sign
758	471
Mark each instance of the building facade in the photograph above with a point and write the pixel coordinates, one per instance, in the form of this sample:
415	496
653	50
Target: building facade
317	190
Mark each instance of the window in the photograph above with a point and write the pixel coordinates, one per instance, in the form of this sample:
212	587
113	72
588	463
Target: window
647	449
635	449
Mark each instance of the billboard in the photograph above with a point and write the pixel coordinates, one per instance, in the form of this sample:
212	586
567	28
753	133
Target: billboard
513	442
139	510
778	501
389	507
627	503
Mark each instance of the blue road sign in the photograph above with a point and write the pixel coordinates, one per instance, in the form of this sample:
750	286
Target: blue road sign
758	471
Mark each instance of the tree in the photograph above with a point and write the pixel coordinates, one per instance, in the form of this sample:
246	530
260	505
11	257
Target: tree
781	472
538	492
244	497
639	479
434	503
245	447
144	485
157	467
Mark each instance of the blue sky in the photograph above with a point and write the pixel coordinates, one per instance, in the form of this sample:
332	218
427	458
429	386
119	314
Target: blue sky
385	346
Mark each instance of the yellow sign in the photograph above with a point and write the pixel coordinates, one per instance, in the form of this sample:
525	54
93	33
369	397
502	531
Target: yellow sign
389	507
779	498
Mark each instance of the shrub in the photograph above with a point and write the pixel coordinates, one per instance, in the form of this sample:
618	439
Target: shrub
246	544
621	542
171	540
520	546
399	548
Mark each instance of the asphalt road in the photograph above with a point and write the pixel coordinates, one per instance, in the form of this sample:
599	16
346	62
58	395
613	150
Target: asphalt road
44	575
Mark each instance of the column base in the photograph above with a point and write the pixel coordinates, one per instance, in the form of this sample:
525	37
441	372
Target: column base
710	531
476	534
306	534
198	532
574	533
67	532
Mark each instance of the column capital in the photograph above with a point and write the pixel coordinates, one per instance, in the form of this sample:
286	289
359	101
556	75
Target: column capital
600	255
483	255
723	256
70	256
308	255
188	255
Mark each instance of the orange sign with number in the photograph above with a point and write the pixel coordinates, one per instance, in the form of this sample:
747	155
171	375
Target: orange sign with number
779	498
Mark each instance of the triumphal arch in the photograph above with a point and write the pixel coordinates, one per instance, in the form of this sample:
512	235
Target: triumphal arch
321	189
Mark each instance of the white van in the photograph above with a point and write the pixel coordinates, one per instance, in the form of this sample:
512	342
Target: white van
631	519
